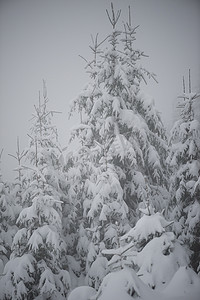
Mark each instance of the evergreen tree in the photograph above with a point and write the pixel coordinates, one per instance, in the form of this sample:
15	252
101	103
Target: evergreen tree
9	210
184	162
118	117
36	269
122	140
5	214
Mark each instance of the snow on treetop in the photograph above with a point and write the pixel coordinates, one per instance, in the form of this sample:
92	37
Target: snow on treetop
147	227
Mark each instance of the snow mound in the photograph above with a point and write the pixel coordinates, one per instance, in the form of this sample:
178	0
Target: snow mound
97	272
118	285
161	253
126	285
82	293
184	284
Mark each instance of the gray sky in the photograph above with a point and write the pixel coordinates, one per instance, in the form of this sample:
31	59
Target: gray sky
43	39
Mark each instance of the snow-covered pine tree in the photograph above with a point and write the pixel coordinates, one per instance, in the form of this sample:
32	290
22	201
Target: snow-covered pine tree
122	140
36	269
120	119
5	214
9	210
184	162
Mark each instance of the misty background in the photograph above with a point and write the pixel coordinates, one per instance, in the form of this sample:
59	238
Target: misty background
42	39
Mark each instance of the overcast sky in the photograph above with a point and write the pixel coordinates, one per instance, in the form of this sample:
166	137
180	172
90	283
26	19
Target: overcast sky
44	38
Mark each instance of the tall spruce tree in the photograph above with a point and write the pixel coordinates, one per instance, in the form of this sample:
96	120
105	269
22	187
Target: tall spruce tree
122	141
36	269
184	162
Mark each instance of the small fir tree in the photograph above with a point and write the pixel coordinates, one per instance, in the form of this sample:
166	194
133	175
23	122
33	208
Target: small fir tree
36	269
9	209
184	162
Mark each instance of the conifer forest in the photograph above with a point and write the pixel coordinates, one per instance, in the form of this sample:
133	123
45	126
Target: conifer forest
115	216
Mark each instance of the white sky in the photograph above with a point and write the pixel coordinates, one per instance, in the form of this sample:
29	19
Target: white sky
43	39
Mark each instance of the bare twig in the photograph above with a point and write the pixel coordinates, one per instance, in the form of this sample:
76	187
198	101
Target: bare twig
189	82
30	137
183	85
129	16
19	156
89	64
15	157
44	89
114	18
1	153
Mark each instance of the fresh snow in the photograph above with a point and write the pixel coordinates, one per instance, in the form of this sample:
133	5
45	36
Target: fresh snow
185	284
126	285
82	293
146	227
